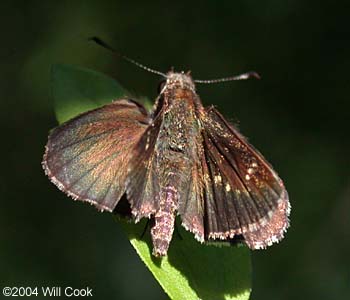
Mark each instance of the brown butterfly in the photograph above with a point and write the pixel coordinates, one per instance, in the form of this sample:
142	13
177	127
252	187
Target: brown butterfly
180	159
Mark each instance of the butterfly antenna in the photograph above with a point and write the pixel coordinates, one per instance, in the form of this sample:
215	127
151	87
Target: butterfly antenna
232	78
100	42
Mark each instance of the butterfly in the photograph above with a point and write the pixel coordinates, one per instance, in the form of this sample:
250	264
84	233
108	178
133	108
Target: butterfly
179	159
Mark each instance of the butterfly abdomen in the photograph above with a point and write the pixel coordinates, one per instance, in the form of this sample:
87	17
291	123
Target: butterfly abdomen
164	219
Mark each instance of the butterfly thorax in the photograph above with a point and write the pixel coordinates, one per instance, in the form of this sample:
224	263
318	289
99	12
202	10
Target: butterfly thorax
176	145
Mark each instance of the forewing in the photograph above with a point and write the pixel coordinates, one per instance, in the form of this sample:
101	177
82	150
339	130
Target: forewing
243	194
88	156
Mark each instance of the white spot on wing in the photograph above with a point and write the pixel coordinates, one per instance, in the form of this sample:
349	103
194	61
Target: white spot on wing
217	179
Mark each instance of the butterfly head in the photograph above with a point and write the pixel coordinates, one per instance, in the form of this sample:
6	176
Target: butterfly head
177	80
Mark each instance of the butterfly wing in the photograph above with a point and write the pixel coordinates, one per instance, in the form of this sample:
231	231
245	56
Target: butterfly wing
243	195
88	156
142	186
191	205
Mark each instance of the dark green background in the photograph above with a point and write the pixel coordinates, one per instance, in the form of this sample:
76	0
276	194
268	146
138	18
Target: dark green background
297	115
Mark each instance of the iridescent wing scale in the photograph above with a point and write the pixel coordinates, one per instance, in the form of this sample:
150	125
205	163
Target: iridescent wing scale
88	156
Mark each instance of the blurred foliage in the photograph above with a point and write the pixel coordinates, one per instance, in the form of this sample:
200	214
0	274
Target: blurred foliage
297	115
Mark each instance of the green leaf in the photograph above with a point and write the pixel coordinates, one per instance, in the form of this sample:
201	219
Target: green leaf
76	90
190	270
